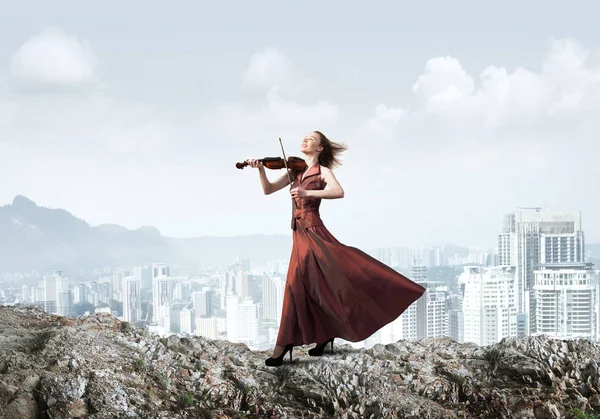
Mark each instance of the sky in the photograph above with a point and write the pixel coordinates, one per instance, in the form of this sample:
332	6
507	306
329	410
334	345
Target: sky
135	113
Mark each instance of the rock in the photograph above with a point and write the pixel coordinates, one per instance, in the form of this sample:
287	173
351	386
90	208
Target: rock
22	405
7	391
594	401
62	390
98	367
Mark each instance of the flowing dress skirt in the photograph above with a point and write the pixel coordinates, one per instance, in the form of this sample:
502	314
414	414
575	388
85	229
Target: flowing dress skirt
334	290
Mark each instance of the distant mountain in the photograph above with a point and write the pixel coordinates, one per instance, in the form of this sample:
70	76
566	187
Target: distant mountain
112	228
34	237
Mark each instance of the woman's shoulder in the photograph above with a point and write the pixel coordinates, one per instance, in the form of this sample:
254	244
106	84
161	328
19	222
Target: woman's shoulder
325	170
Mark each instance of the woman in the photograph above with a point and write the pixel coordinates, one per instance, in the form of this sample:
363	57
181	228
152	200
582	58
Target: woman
332	290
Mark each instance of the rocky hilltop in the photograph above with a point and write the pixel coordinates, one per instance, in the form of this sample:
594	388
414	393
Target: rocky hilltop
100	367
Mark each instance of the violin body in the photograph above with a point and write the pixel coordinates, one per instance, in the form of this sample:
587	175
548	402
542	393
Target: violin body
293	163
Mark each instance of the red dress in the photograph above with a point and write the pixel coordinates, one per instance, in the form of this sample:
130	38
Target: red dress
333	290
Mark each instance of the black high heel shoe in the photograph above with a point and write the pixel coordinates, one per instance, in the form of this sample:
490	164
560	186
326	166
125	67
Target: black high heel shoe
275	362
318	350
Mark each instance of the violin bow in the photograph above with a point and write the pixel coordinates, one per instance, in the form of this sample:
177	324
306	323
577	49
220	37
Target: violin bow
287	170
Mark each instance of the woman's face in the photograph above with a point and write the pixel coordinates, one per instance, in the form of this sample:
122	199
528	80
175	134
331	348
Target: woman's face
311	144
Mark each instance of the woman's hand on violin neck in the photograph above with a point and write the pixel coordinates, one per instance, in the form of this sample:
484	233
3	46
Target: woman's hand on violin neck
299	192
254	163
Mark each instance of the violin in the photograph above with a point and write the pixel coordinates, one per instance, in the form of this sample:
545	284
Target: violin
295	163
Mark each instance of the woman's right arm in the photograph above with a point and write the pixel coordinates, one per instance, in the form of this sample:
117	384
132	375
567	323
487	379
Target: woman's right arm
269	187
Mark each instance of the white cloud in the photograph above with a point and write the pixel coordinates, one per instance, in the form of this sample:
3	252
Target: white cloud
284	111
133	128
269	67
553	104
91	123
99	122
444	82
272	69
289	112
55	59
235	123
385	120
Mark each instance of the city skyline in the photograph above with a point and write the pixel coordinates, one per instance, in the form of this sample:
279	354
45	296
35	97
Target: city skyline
133	119
537	282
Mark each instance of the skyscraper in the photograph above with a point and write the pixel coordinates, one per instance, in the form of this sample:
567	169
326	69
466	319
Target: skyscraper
161	295
488	306
566	301
64	296
529	239
431	309
273	290
132	298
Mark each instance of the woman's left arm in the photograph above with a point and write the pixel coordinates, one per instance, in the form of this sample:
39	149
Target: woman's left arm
333	189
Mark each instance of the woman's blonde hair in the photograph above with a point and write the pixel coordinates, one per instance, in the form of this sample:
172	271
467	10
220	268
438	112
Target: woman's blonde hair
329	156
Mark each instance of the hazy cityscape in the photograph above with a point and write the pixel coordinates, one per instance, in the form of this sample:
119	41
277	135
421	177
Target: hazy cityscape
537	281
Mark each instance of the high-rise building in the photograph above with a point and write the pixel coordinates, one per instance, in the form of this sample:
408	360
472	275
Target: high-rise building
145	274
181	290
248	322
80	293
409	317
431	309
53	294
273	290
38	295
160	269
207	327
132	299
232	302
433	312
566	304
241	283
255	287
187	322
529	239
456	324
26	294
161	295
117	285
488	304
223	290
203	302
243	320
64	296
48	286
